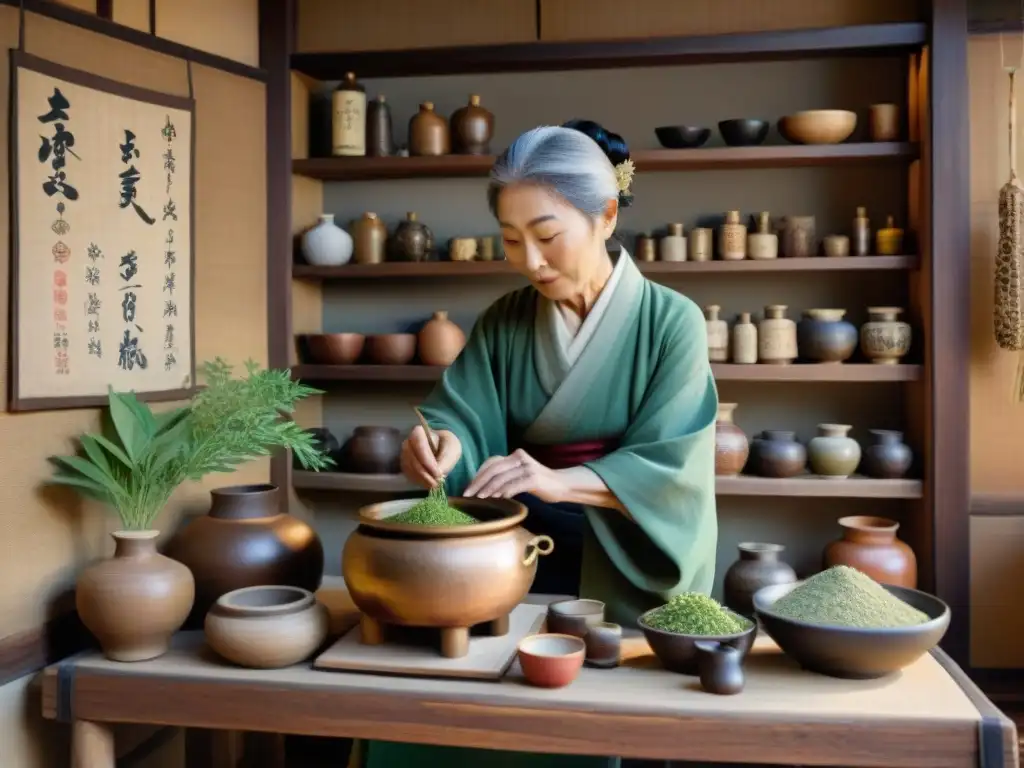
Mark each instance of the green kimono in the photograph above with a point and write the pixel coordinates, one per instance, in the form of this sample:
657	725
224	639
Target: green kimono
636	370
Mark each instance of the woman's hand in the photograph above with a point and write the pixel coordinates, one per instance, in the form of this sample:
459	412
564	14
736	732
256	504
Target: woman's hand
502	477
418	462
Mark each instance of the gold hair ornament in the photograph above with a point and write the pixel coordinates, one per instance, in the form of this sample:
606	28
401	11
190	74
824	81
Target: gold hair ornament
624	175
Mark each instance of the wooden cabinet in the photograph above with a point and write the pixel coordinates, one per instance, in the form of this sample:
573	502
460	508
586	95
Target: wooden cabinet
614	19
382	25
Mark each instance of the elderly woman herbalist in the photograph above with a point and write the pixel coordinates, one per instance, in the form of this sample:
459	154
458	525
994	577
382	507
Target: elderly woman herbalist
588	395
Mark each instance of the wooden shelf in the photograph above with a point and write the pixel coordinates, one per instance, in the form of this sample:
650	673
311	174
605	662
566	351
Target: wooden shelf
828	372
646	160
744	485
455	269
551	56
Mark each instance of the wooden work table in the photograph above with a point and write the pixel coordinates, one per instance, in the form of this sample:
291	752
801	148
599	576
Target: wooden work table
928	716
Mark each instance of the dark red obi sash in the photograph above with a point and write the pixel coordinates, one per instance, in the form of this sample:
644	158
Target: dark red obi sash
570	454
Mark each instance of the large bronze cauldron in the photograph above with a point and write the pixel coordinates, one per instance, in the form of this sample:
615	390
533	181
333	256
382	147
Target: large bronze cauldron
450	578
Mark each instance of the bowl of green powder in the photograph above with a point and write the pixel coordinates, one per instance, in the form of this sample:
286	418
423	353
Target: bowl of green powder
673	629
440	516
843	623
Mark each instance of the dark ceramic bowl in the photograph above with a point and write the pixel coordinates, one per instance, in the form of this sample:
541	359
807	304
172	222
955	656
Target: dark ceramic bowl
744	131
678	653
682	136
853	652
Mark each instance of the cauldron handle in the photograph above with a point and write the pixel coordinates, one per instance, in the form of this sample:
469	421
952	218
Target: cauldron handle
538	545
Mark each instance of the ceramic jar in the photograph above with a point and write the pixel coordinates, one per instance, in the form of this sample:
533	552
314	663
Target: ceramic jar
759	566
348	121
731	447
266	627
645	250
836	246
462	248
700	244
412	240
833	453
372	451
884	122
869	544
884	339
744	340
246	541
861	241
327	244
887	457
428	133
776	337
798	237
718	335
763	243
440	340
472	127
672	247
732	238
604	645
889	239
824	337
380	140
370	236
779	454
719	667
133	602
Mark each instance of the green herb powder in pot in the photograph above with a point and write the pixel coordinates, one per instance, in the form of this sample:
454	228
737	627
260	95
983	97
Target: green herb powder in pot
434	510
692	613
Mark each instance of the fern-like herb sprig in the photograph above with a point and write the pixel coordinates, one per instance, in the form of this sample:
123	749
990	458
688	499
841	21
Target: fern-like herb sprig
140	458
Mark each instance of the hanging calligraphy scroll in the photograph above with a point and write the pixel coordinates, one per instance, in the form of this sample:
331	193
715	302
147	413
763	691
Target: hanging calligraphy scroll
102	279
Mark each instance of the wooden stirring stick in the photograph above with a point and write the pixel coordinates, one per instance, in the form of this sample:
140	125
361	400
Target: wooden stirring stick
432	438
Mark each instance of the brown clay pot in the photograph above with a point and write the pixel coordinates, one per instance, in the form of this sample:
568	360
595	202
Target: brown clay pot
372	451
335	348
869	544
759	566
428	132
266	627
777	453
391	348
731	446
440	340
472	127
246	541
369	236
136	600
412	240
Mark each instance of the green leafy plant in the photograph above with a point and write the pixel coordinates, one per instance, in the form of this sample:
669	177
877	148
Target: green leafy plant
140	458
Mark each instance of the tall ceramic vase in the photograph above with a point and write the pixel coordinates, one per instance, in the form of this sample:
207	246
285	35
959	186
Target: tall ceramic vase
731	446
246	541
136	600
869	544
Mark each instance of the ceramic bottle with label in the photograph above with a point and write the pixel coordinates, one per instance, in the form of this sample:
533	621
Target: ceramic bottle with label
732	238
718	335
348	118
763	243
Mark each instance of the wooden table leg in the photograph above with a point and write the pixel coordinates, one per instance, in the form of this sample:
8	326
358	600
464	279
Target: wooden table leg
212	749
92	745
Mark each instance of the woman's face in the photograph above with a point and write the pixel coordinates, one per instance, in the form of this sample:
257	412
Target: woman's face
558	248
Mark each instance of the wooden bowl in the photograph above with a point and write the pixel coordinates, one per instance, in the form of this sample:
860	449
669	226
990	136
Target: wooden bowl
391	348
574	617
335	348
818	126
854	652
551	660
678	653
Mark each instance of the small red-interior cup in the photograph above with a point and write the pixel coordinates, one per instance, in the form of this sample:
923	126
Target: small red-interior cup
550	660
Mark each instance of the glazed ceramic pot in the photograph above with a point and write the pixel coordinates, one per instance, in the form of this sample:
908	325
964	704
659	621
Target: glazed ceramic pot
391	348
379	135
574	617
836	246
327	244
887	457
448	578
869	544
472	127
884	339
833	453
824	337
779	454
440	340
428	132
717	333
776	337
720	668
323	440
798	237
759	566
246	541
604	645
370	236
372	451
135	601
412	240
731	447
266	627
